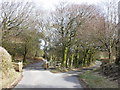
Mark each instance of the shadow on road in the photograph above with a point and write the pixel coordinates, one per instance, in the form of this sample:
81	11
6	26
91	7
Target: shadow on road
35	66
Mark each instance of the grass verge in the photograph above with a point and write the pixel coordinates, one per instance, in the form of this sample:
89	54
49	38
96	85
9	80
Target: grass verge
93	80
59	70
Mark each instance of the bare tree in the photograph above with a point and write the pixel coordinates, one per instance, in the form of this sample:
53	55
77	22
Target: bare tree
19	25
107	32
14	16
68	21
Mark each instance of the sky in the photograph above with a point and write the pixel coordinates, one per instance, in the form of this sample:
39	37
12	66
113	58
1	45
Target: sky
49	4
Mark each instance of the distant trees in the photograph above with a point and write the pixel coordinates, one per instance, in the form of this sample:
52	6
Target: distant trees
13	18
107	32
81	31
72	33
118	54
73	42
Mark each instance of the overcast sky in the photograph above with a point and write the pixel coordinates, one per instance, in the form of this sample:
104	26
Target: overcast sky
49	4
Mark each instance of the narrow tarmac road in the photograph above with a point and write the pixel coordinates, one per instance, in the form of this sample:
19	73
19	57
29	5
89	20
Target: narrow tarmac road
35	76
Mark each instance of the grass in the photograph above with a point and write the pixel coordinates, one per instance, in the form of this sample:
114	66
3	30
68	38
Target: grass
94	80
55	71
59	70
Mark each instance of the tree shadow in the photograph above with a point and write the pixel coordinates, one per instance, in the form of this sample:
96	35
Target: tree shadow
35	66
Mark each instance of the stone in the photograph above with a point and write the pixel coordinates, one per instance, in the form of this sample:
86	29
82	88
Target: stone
6	63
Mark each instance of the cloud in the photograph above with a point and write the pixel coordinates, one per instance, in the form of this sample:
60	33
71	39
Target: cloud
49	4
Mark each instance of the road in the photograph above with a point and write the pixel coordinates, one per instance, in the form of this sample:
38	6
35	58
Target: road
34	76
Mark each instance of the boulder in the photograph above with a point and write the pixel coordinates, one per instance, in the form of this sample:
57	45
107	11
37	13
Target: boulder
6	65
8	75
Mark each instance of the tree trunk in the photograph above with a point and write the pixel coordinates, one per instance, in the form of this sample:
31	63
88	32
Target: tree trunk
65	56
77	63
110	54
84	58
118	57
72	59
24	55
1	37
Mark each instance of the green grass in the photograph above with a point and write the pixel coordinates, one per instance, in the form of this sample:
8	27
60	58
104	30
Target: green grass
59	70
55	71
94	80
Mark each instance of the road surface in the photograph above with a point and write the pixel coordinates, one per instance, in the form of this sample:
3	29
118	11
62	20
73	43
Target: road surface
35	76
